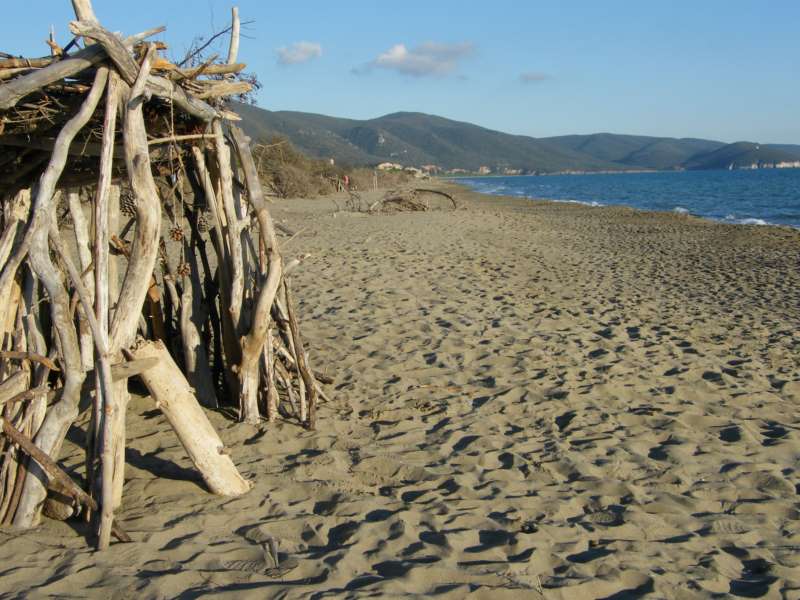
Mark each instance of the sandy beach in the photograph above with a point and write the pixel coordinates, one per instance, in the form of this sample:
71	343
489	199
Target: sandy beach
531	399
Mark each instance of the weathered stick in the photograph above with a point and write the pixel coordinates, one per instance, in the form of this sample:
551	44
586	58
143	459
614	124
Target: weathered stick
233	48
83	10
144	252
158	86
101	268
253	342
58	419
43	205
81	231
53	471
175	398
234	240
105	388
302	363
13	91
30	356
194	351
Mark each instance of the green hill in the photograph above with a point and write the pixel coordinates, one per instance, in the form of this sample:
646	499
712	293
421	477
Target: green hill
416	139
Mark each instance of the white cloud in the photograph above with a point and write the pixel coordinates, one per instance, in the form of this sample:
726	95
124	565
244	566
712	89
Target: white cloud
299	52
533	77
428	59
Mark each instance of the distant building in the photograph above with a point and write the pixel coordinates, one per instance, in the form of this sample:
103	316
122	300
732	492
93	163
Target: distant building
389	166
484	171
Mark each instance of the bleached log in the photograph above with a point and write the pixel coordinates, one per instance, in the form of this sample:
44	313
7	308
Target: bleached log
225	88
26	63
175	398
14	217
13	386
104	370
144	249
204	69
58	419
269	369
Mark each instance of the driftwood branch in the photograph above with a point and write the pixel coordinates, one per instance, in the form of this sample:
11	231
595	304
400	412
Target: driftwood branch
13	91
55	473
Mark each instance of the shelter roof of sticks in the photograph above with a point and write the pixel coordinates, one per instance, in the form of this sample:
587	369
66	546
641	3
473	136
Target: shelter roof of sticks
39	95
168	268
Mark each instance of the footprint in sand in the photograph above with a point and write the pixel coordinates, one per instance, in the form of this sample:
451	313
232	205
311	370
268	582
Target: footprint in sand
268	562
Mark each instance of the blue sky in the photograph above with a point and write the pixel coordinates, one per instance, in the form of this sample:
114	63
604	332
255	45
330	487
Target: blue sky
725	70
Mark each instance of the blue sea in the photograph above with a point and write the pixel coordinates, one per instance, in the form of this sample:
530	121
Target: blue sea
763	197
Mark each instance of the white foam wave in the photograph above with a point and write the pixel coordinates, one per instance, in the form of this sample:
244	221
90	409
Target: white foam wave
746	220
680	210
581	202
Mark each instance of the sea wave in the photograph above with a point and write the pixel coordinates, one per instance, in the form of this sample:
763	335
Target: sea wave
581	202
745	220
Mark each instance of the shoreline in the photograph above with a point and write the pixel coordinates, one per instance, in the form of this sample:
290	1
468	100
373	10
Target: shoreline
531	398
747	221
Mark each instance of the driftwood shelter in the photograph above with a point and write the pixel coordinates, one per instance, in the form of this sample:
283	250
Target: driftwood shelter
136	241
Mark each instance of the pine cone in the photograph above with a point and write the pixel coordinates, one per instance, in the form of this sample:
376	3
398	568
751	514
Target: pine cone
202	222
176	234
127	203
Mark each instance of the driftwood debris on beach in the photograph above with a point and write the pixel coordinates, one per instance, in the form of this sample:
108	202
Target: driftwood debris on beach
405	199
136	241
